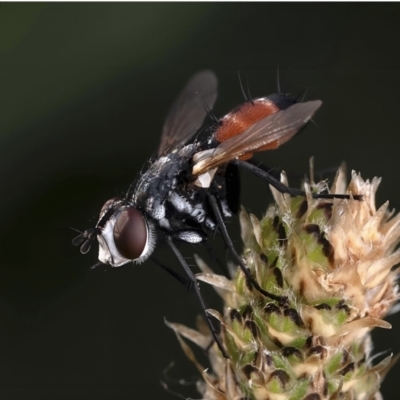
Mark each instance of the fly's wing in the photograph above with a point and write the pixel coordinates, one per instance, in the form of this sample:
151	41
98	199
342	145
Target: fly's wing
189	110
266	134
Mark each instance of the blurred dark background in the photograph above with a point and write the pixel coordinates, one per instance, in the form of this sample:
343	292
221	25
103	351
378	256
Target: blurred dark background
84	89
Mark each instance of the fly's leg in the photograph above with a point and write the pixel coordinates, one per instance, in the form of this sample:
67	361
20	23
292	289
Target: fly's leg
274	171
181	279
281	187
228	242
196	288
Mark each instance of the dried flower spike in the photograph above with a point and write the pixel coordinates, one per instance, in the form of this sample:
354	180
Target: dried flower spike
331	262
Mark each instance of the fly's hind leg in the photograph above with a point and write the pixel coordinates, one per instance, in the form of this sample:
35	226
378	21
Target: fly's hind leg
281	187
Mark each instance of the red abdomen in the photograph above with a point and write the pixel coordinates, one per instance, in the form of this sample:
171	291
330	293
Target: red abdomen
242	117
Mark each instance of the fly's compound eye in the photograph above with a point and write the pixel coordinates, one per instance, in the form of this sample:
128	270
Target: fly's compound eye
130	233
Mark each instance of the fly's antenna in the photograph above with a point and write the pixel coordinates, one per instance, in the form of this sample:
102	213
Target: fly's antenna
85	239
75	230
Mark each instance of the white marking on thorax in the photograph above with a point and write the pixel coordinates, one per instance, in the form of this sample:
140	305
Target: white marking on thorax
155	209
190	237
180	203
225	209
164	223
198	213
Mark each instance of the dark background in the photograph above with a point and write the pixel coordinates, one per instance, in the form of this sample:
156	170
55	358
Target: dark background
84	89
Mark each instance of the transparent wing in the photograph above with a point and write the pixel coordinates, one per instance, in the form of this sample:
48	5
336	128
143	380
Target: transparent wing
189	110
266	134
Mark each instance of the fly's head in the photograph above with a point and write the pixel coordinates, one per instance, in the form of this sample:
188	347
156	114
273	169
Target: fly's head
123	232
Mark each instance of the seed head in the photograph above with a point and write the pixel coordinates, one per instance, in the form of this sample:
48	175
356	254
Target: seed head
331	263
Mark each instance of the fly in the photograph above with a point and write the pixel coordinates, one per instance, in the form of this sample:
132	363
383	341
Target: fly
193	185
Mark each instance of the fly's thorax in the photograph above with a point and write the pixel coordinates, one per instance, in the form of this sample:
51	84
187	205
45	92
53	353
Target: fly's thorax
124	234
146	180
187	152
161	179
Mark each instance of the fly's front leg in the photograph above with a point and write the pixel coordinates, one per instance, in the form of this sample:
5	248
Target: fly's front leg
196	288
181	279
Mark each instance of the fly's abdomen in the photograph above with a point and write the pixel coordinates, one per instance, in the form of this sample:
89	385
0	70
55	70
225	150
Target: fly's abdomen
240	118
247	114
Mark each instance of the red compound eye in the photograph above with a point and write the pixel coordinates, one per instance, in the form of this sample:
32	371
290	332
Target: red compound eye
130	233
